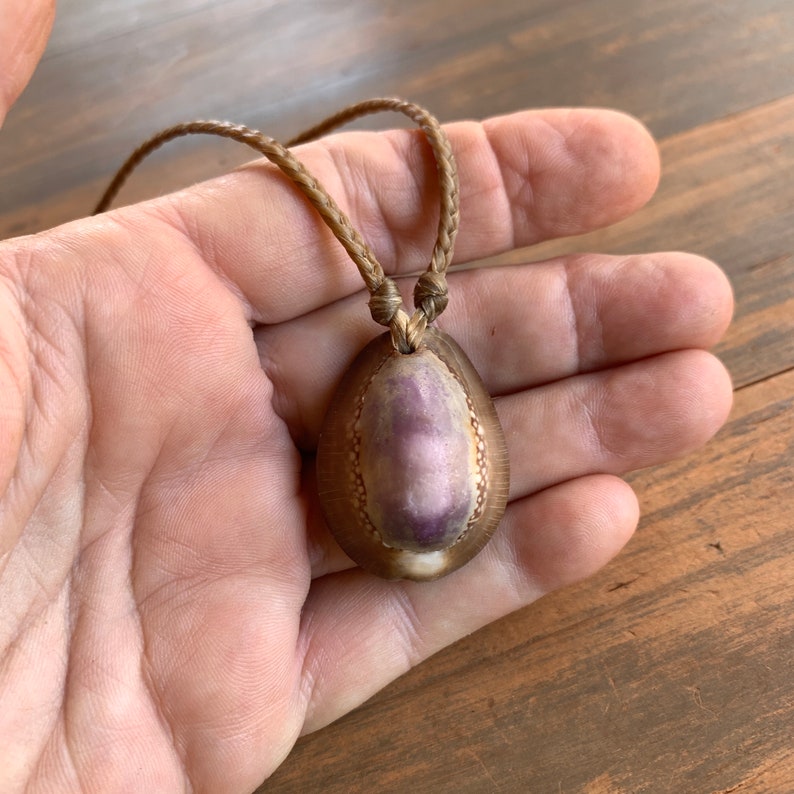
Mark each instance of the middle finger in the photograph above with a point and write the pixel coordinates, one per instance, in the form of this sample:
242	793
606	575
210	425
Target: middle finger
521	326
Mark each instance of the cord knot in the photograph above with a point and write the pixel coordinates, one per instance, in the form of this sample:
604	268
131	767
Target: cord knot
385	302
430	294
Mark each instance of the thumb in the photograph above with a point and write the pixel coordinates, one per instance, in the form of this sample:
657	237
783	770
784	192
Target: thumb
24	28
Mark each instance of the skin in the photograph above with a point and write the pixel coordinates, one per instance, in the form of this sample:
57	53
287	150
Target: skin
173	613
24	30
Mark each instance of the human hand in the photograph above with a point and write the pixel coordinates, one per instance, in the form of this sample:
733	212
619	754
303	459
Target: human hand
174	614
24	28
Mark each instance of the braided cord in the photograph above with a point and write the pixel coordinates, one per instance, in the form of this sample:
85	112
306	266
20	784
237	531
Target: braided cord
386	307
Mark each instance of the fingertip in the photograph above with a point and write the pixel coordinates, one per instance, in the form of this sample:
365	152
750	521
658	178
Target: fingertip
716	394
641	159
691	296
648	304
696	401
709	297
568	532
622	163
570	171
23	37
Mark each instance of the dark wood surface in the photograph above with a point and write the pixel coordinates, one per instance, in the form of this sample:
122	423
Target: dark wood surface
672	670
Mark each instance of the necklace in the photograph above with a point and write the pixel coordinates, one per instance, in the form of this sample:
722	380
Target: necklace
411	462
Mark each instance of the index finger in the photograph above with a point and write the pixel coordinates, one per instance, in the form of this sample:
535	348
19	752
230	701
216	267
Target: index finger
524	178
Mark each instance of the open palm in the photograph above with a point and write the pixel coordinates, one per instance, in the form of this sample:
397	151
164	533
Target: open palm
173	612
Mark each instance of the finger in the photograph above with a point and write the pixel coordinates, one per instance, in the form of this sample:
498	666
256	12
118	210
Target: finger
613	421
521	326
24	31
359	633
524	178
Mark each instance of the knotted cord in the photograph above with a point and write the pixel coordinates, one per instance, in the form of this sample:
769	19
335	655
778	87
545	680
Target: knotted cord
386	306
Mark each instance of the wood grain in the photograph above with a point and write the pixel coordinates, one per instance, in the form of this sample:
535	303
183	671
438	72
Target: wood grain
114	73
669	671
672	670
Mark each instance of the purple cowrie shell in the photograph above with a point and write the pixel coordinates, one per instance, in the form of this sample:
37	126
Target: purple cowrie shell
412	463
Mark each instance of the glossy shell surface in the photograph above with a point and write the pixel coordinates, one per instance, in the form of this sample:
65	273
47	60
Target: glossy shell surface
412	463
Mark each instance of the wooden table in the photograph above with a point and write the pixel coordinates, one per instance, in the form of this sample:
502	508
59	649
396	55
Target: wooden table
672	670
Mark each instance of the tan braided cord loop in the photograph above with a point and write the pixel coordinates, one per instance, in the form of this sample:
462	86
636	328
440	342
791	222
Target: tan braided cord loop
430	293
